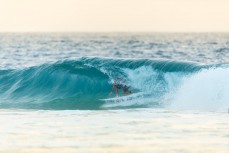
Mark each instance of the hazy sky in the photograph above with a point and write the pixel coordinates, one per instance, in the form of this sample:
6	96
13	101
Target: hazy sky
114	15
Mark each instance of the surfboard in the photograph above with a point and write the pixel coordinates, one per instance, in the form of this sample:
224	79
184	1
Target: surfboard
124	98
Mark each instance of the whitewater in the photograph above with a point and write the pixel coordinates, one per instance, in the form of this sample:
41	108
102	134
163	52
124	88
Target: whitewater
55	90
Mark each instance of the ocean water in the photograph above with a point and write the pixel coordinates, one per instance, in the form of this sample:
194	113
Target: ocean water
55	90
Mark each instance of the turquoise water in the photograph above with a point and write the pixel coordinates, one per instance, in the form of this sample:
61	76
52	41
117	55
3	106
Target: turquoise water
52	86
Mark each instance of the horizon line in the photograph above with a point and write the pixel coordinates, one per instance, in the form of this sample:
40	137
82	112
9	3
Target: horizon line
114	32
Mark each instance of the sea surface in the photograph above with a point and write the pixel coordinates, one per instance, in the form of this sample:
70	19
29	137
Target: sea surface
56	92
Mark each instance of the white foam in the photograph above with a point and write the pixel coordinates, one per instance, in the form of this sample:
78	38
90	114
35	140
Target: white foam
207	90
151	83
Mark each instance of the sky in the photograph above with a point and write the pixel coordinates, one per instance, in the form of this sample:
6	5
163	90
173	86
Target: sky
114	15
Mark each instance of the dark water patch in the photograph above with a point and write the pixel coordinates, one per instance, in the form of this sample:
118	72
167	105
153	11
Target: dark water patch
222	50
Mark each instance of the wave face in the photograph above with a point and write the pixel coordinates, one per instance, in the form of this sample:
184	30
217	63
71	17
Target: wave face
82	83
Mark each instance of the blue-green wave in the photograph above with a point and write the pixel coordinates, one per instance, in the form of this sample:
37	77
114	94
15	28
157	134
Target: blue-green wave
82	83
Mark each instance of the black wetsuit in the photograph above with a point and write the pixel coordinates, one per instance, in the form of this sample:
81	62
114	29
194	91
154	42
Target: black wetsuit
126	89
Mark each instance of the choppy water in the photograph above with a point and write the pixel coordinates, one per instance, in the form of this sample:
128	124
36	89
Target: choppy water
51	86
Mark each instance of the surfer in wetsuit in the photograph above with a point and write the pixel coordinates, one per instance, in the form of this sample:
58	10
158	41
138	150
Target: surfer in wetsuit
125	90
117	85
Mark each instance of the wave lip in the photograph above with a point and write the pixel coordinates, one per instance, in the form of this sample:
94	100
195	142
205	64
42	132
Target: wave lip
82	83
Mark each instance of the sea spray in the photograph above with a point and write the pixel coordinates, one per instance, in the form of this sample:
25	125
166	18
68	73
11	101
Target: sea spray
206	90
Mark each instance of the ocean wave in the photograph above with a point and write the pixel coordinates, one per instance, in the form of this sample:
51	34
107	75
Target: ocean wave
82	83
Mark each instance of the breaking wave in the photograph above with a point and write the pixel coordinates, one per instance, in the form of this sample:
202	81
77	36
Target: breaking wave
86	83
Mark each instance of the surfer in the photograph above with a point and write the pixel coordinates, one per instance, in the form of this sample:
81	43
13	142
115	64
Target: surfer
125	89
116	87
